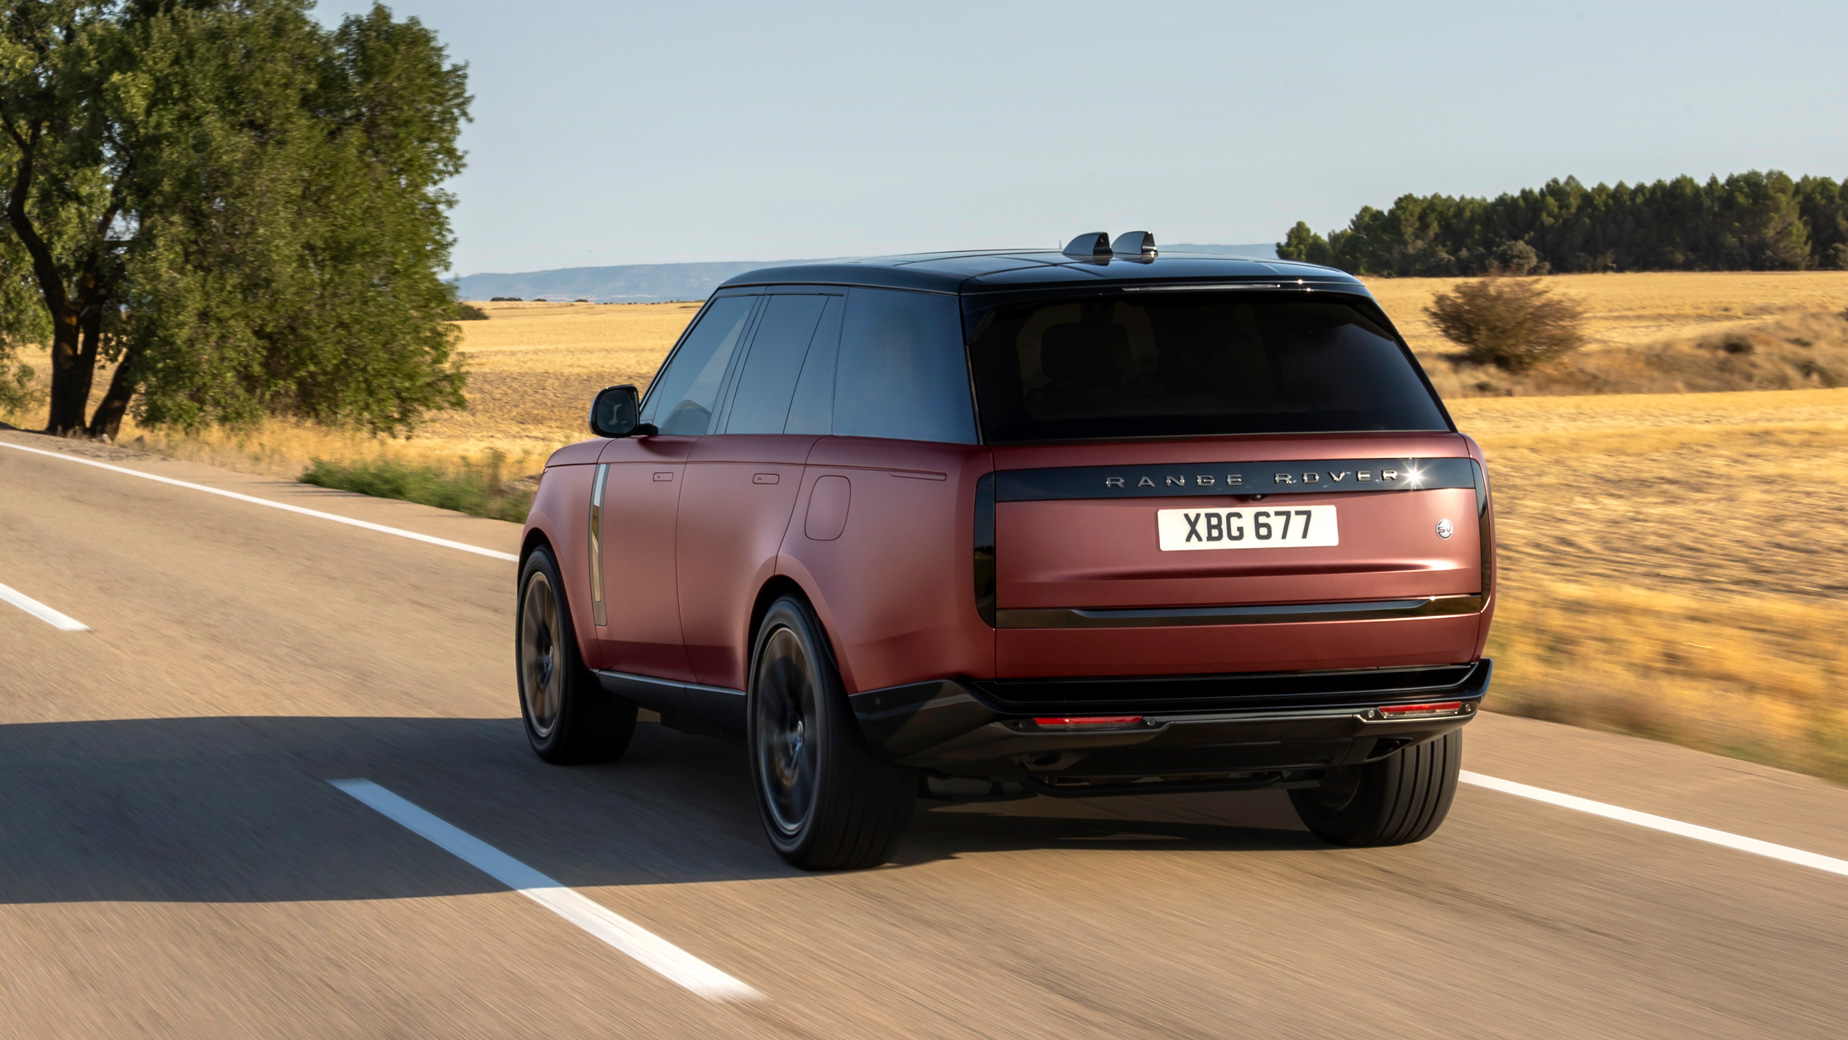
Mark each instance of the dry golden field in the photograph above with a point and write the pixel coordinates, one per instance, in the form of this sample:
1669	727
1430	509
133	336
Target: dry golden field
1673	564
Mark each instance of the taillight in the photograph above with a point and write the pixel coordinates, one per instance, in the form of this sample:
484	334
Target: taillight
1419	711
985	548
1087	721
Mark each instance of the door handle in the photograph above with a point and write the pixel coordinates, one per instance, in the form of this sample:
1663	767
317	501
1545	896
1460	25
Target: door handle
764	478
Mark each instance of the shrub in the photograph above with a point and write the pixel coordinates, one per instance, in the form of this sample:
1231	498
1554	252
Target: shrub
1511	323
580	300
478	488
1517	258
504	299
467	312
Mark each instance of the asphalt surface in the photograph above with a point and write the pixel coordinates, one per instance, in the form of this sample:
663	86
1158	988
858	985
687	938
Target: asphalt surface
174	862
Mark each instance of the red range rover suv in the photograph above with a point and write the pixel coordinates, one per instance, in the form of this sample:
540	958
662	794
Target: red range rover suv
998	524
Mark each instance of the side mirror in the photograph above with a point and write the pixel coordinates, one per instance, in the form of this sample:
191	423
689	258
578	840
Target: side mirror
616	413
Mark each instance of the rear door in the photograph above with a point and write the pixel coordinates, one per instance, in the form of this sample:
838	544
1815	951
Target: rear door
741	485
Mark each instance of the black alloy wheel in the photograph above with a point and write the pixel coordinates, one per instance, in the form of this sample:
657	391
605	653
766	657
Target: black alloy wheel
827	801
1397	800
569	717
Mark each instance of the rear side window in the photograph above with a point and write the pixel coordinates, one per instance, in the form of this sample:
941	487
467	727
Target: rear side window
682	397
902	372
778	347
812	410
1175	364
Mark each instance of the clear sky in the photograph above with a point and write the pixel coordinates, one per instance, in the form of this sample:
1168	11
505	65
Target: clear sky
612	133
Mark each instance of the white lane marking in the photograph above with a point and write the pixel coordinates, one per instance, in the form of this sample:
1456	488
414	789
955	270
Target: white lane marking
336	518
1785	853
654	952
63	622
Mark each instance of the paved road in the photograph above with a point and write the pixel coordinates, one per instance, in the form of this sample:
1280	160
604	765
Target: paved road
173	861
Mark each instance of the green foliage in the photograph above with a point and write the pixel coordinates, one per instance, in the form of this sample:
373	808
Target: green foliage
465	311
251	202
1511	323
475	488
1748	221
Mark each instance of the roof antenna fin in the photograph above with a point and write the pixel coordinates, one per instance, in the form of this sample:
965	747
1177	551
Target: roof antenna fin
1092	245
1134	245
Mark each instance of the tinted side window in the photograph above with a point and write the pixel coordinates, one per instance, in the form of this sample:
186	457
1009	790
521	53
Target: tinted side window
902	372
761	403
812	411
682	398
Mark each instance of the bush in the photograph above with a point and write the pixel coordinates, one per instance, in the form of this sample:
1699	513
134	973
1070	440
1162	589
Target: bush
1517	258
1511	323
476	488
580	300
467	312
504	299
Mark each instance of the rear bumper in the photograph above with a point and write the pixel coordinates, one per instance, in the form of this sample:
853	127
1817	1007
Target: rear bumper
1189	725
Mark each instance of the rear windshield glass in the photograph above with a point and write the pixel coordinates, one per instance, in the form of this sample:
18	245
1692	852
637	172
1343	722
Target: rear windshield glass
1176	364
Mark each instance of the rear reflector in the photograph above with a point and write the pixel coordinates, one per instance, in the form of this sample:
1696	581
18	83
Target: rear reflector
1086	721
1412	711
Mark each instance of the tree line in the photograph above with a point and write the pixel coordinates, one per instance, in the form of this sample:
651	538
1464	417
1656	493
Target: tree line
240	207
1748	221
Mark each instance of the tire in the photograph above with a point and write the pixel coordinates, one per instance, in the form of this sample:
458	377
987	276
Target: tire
1398	800
826	800
569	717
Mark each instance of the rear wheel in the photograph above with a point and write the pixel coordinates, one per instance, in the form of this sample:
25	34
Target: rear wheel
826	800
569	717
1399	799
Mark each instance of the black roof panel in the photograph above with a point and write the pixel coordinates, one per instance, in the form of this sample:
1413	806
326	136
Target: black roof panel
1013	270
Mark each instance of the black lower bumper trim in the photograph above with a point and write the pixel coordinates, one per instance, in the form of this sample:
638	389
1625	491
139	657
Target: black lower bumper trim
1283	721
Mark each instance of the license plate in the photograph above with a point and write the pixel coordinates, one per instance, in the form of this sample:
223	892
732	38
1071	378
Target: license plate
1273	528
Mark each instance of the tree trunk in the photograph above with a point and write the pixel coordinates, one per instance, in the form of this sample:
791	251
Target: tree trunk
71	372
71	375
107	422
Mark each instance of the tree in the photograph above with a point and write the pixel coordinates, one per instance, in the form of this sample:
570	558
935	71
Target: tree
1511	323
242	208
1750	220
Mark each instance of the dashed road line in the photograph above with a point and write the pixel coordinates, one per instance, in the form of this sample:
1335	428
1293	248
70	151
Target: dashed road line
254	500
1815	861
655	953
60	621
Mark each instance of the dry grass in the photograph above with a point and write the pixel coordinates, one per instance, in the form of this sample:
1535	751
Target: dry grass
533	369
1671	566
1643	308
1671	562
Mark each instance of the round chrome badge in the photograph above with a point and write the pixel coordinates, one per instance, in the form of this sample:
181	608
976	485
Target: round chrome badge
1445	529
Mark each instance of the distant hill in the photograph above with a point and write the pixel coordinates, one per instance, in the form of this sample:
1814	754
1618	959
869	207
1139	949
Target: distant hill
654	283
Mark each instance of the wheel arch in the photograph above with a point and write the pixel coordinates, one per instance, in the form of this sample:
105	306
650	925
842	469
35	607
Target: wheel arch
774	588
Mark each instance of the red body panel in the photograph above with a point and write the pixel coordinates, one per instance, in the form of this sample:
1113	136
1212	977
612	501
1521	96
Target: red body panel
1100	553
895	590
734	508
1104	553
641	501
1024	653
695	527
561	512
